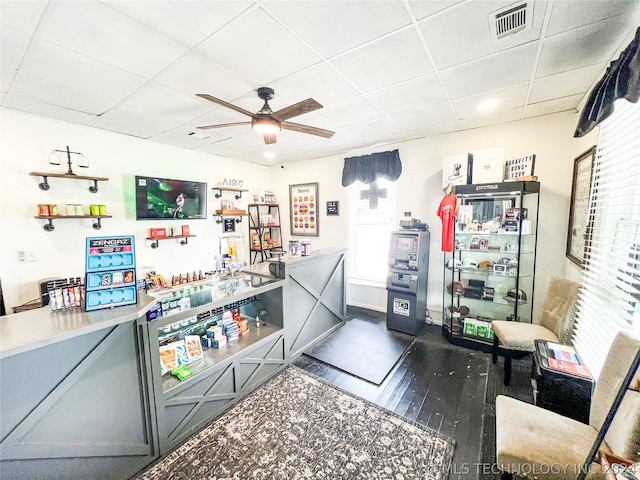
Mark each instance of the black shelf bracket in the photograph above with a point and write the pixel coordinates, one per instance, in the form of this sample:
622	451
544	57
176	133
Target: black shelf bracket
94	187
49	227
97	225
155	244
237	196
184	241
219	218
44	185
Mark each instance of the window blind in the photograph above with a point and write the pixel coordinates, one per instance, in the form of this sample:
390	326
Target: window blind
610	298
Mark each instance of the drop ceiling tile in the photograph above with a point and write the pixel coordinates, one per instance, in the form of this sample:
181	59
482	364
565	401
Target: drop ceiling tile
409	95
593	44
490	73
22	16
493	119
320	82
6	78
440	113
462	33
334	27
13	45
131	121
553	106
235	146
352	110
195	73
564	84
135	48
504	98
46	91
163	101
377	129
435	129
64	67
424	8
379	64
180	137
268	51
30	105
569	15
188	22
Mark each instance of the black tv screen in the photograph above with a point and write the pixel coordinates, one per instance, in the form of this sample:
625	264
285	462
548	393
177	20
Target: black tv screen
164	198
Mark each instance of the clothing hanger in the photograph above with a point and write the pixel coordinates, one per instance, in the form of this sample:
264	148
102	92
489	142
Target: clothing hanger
449	189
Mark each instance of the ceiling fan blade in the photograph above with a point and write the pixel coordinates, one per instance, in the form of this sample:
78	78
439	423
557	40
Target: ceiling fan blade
207	127
224	104
297	127
305	106
269	138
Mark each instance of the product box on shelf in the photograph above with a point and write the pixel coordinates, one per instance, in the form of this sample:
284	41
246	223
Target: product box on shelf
158	232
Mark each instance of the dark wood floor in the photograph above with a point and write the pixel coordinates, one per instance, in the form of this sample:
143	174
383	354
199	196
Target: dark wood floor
448	388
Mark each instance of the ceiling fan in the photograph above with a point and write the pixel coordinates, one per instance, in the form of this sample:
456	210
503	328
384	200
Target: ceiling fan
267	122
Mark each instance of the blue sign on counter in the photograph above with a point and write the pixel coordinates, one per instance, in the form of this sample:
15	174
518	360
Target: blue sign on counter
110	272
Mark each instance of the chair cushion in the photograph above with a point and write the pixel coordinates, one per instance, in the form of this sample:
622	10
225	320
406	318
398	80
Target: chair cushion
520	335
532	442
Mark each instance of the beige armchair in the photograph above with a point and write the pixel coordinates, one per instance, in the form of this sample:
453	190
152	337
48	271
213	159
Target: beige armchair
509	337
532	442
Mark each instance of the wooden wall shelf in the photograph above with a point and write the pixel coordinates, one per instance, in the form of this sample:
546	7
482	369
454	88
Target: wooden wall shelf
44	185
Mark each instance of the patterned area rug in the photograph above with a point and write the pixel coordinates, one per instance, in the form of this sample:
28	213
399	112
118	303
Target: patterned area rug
297	426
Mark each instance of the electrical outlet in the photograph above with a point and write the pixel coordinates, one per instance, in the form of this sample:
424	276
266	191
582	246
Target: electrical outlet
30	256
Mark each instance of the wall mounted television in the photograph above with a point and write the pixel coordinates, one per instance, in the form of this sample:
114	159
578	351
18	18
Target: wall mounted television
167	199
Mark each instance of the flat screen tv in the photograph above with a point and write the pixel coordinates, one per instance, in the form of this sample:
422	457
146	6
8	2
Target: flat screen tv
167	199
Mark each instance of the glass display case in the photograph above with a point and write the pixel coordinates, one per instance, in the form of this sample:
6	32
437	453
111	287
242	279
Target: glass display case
490	273
209	344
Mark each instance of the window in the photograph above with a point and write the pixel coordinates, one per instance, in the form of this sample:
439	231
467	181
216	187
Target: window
610	299
372	210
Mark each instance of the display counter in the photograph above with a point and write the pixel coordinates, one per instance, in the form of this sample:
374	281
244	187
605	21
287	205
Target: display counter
85	395
315	297
74	397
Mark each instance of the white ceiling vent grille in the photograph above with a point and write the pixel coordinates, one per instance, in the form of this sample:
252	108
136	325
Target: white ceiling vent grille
510	20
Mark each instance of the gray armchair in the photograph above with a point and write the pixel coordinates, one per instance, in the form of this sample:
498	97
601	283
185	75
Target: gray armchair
532	442
509	337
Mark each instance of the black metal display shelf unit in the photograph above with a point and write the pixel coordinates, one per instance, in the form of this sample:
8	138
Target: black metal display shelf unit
490	273
265	234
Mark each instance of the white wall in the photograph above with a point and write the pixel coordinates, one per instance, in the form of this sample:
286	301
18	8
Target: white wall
420	192
26	143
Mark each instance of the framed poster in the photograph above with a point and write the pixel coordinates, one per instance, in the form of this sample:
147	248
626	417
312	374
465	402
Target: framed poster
303	205
580	218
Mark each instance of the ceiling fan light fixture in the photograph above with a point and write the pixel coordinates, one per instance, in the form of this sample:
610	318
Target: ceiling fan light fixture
267	126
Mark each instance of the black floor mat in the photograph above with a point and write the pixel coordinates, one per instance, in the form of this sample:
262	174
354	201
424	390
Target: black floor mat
362	348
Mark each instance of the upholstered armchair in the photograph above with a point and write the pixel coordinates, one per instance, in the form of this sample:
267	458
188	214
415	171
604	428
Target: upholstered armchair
532	442
510	337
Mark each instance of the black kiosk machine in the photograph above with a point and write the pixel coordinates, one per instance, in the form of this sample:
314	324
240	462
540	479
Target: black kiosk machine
407	281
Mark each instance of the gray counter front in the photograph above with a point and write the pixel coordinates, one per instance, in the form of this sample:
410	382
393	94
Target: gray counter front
81	395
315	297
74	395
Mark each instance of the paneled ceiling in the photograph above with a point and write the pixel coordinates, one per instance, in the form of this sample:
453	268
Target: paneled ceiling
385	71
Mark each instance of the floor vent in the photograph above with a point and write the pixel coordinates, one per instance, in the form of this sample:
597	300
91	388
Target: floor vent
510	20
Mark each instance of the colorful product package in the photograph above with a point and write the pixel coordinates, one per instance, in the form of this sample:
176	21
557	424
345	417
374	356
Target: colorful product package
194	347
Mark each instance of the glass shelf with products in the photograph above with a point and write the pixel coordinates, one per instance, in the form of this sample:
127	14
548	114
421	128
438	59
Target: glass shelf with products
189	321
490	273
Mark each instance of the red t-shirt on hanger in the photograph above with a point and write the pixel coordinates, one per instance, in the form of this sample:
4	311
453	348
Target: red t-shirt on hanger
448	211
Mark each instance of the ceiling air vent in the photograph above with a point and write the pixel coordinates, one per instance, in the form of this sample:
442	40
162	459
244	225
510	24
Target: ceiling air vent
510	20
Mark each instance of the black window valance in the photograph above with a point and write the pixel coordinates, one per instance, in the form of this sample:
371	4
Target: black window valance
622	80
368	168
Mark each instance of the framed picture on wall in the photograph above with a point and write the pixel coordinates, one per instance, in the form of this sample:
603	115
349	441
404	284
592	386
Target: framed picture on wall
580	218
303	205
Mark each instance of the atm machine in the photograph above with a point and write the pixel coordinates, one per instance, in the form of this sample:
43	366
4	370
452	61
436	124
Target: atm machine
407	281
